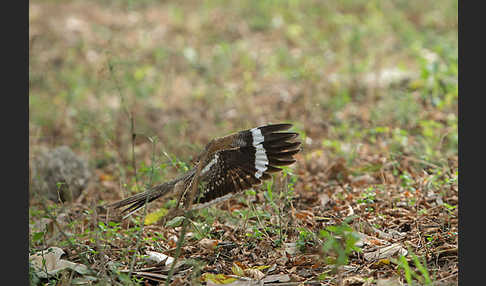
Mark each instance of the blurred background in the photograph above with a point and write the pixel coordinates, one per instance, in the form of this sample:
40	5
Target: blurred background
371	86
382	74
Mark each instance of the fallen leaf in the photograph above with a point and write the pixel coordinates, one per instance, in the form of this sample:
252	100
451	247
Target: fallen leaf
292	270
154	217
106	177
254	273
283	258
207	243
350	211
362	180
386	252
365	239
159	258
84	280
261	267
290	248
304	215
216	278
324	199
276	278
237	270
173	240
177	221
236	283
384	261
388	282
353	281
48	263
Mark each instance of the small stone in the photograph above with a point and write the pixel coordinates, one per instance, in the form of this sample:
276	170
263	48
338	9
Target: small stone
59	174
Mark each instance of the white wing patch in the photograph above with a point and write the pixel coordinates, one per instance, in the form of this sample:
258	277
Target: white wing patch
210	164
261	159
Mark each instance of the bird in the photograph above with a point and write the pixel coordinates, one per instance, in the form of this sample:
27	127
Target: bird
227	166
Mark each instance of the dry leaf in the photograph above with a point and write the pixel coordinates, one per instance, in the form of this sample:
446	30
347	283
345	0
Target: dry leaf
353	281
237	270
236	283
159	257
386	252
54	263
362	180
388	282
304	215
254	273
283	258
276	278
350	211
324	199
290	248
172	241
207	243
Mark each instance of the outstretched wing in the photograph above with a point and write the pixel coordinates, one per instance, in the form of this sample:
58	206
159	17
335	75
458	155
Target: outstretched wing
253	155
234	163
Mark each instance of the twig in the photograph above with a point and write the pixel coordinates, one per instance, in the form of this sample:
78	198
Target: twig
98	245
420	161
445	278
260	223
244	223
193	184
281	205
197	228
139	234
180	241
43	258
134	135
129	115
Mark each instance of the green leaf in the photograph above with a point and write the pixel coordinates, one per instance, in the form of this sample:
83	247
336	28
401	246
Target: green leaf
237	270
175	222
217	278
407	270
154	217
38	236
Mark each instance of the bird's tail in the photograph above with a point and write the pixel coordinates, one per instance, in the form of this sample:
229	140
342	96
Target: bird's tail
137	201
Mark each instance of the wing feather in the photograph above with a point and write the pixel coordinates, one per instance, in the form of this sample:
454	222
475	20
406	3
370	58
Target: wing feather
233	163
253	155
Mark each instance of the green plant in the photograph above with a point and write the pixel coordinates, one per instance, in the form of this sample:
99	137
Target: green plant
422	277
368	197
407	181
306	239
450	209
340	242
33	278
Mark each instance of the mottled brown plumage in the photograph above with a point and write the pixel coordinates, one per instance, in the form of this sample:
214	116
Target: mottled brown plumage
227	165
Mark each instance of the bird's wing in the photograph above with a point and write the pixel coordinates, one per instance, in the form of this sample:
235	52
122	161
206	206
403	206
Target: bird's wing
236	162
253	154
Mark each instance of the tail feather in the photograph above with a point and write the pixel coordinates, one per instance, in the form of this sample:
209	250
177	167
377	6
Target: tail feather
282	136
288	155
281	146
277	162
137	201
273	148
274	127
